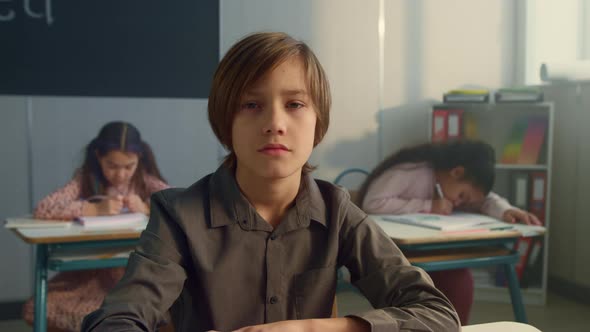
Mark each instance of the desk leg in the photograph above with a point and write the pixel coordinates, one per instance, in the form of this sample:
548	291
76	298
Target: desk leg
515	294
40	322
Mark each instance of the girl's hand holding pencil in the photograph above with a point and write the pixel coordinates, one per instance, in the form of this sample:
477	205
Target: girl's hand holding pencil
441	205
101	205
135	204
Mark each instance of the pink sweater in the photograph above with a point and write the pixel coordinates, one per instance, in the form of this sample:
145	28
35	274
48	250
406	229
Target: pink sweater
65	203
408	188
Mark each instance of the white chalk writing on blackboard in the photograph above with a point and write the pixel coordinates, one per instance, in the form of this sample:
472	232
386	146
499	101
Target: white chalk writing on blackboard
7	15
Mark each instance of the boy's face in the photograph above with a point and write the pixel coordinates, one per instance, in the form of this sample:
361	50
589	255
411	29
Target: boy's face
273	130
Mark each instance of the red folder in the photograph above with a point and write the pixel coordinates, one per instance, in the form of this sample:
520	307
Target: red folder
440	125
538	192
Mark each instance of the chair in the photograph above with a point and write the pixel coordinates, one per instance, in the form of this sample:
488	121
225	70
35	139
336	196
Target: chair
353	193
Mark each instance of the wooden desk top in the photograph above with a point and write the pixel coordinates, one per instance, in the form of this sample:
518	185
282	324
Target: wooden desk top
404	234
76	233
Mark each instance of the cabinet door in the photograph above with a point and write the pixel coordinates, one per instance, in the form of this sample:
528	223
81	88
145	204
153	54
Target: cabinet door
582	224
562	230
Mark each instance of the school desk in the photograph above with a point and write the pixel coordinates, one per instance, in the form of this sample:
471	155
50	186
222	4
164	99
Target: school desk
433	250
500	326
73	248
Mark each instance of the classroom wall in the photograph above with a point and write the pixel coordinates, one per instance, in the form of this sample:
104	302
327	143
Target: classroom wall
421	56
15	255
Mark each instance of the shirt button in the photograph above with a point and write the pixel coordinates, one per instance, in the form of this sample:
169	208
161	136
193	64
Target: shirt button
274	299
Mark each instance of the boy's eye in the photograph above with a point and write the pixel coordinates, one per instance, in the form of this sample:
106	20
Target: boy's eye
295	105
250	105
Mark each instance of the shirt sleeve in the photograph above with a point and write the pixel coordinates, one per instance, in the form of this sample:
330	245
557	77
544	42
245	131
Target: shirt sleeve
153	280
64	203
386	195
404	296
494	205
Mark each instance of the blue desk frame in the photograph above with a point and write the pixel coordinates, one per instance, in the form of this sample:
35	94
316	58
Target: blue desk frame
507	261
43	264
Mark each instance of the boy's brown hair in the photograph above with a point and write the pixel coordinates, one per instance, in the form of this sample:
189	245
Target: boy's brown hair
246	62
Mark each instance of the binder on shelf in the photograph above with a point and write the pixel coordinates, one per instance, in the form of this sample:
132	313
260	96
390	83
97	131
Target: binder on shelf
470	126
533	140
440	125
537	195
511	152
454	124
532	275
467	96
523	246
447	124
519	190
523	94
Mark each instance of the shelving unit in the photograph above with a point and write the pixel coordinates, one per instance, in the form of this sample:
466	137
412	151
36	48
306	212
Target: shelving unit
494	124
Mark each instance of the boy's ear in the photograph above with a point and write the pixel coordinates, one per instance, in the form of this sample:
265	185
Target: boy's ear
457	172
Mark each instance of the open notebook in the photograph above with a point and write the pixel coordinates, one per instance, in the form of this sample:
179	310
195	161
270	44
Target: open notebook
125	220
454	222
26	222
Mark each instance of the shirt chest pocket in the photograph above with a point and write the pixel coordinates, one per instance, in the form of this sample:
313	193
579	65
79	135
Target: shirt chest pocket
314	292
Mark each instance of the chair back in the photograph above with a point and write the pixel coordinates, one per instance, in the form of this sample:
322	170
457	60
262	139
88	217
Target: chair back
353	192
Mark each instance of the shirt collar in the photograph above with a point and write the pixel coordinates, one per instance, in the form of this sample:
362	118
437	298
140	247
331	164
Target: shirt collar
310	203
229	206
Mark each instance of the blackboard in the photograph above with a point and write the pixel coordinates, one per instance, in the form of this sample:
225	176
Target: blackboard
134	48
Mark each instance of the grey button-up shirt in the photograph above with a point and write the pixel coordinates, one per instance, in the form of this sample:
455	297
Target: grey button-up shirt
212	262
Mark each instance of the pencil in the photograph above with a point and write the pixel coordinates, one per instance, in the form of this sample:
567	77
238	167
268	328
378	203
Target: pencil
439	191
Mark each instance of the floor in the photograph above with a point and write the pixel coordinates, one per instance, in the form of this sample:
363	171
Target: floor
559	314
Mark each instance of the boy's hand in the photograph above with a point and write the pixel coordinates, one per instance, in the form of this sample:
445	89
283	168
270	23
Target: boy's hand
518	215
109	206
441	206
135	204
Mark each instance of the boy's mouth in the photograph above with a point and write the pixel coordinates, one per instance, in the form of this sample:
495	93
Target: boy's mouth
274	149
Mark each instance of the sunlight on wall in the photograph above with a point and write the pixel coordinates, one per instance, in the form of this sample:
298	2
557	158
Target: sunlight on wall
554	32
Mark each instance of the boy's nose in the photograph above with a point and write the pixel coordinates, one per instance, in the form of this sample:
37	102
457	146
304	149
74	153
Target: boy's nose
275	121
